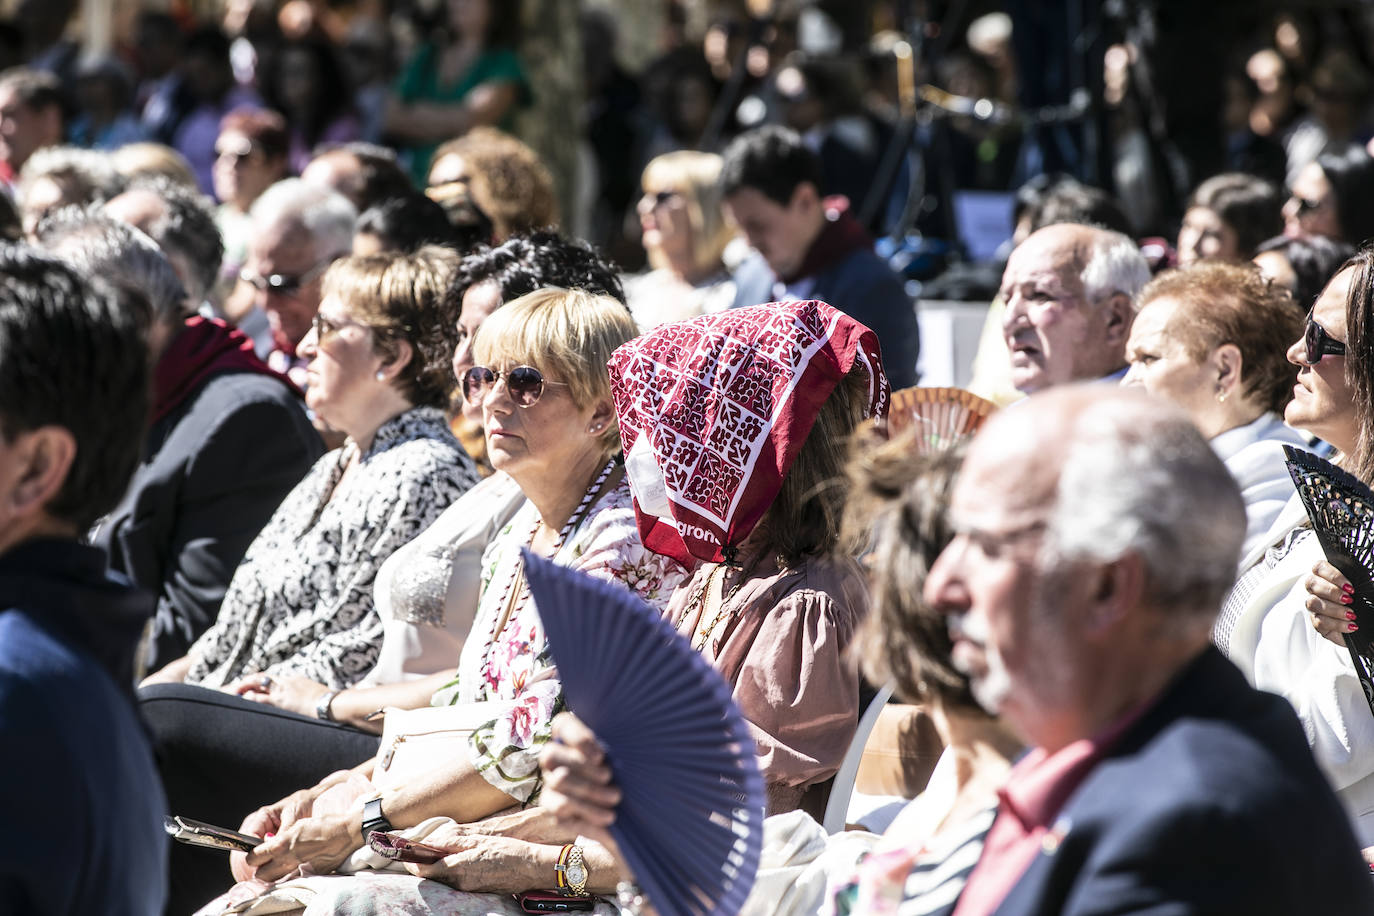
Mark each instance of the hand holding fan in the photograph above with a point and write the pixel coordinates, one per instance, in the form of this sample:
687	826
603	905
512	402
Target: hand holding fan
690	820
942	417
1341	509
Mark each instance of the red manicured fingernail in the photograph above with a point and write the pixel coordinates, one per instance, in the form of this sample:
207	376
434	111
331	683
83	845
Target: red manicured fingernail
268	836
1350	615
1351	627
1348	588
1347	599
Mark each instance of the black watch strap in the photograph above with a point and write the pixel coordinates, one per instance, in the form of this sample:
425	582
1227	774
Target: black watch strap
374	819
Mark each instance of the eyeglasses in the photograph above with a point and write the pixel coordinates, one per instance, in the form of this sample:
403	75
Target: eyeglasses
1306	204
326	328
283	284
1319	343
525	384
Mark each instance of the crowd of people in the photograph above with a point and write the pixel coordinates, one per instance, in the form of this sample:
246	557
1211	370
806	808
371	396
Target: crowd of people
296	363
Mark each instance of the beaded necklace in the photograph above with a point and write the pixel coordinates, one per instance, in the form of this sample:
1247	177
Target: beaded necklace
516	584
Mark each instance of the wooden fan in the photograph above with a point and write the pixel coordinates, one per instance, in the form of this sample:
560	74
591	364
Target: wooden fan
942	417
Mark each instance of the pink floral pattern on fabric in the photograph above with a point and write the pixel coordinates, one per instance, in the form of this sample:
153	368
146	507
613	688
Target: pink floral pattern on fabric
518	665
725	402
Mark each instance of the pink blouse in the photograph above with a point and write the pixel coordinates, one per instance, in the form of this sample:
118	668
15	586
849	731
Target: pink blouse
781	644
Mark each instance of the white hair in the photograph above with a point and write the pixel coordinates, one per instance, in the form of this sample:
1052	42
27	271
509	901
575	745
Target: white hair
101	246
1138	477
1115	265
325	214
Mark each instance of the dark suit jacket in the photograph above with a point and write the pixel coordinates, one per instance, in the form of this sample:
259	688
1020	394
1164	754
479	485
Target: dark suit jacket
1211	803
863	287
213	471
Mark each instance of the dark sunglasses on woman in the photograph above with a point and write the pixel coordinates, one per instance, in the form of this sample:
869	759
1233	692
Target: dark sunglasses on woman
1319	343
525	384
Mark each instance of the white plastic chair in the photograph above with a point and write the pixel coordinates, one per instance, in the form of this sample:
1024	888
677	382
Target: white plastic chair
837	808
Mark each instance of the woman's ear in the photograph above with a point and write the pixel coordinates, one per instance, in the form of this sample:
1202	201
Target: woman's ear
395	357
602	416
1227	363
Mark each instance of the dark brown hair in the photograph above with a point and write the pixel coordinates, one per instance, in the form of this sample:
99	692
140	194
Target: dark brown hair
805	518
1359	356
1236	304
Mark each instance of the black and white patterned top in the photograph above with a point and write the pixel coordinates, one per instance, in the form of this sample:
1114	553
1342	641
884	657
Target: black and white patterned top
301	601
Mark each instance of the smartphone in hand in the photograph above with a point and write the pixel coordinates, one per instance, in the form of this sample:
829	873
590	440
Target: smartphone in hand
553	902
198	833
397	848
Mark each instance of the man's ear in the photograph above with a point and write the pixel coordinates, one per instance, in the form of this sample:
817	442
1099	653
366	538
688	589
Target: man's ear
1117	588
805	197
42	459
1118	311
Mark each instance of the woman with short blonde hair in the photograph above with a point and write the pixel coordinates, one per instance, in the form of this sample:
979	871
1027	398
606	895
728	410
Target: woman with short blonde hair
684	235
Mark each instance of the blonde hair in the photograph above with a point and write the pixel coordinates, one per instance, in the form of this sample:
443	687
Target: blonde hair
570	334
696	176
134	160
403	297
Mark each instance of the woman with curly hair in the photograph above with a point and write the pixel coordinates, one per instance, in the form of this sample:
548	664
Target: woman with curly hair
504	177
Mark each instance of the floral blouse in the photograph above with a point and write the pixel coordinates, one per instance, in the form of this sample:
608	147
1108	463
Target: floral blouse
301	602
516	665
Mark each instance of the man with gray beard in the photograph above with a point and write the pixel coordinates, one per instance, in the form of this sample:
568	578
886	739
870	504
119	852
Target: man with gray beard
1096	535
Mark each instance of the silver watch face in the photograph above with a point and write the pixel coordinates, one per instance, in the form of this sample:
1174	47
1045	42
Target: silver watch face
576	874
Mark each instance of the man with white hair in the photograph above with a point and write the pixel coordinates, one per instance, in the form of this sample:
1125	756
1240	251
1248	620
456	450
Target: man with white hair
298	230
1069	292
1096	535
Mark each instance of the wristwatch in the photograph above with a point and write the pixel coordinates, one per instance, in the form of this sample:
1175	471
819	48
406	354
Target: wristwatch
571	872
323	704
374	819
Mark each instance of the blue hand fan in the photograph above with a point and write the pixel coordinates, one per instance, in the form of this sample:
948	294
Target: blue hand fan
1341	509
690	820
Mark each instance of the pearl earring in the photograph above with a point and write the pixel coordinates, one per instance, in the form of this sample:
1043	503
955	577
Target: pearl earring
381	376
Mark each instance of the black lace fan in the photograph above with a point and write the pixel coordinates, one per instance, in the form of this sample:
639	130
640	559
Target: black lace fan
1342	512
690	819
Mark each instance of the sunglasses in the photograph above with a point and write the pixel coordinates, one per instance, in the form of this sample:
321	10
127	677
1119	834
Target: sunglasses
525	384
1319	343
283	284
663	198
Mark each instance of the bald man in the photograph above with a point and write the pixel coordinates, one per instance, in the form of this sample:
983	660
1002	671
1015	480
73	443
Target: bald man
1069	294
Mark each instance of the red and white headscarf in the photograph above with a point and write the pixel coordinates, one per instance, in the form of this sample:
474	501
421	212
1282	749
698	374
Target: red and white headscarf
713	411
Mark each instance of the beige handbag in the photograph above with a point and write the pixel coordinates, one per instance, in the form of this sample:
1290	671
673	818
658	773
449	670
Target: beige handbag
417	741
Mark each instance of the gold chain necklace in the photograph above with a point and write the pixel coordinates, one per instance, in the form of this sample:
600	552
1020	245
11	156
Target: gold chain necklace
704	636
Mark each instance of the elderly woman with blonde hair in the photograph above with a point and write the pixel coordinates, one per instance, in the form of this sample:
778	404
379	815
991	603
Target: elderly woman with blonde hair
684	236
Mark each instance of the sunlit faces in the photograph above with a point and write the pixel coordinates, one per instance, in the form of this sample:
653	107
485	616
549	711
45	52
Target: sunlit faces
549	436
666	223
1160	364
1204	235
988	581
1323	403
1054	335
781	234
478	302
288	253
343	362
1311	207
